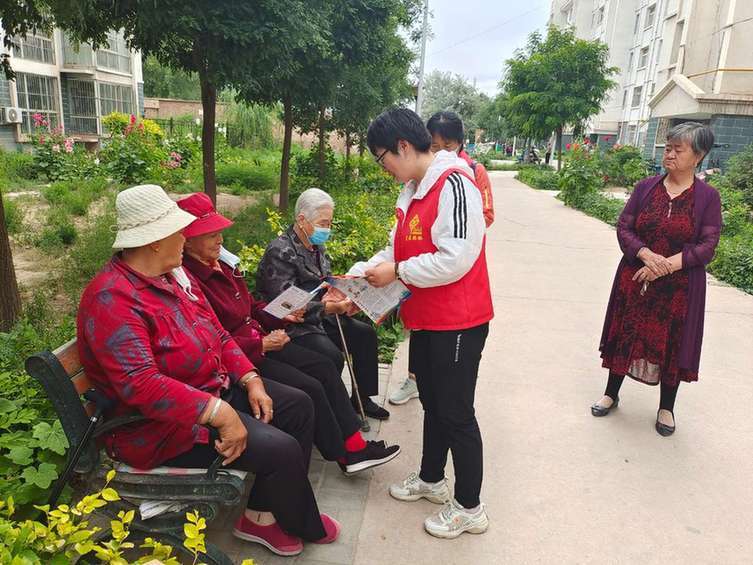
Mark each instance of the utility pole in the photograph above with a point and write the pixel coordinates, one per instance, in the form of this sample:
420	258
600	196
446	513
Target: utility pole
424	33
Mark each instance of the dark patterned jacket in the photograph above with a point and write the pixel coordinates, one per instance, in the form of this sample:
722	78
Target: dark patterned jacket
287	262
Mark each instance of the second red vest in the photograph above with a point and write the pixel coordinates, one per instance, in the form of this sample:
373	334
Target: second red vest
463	304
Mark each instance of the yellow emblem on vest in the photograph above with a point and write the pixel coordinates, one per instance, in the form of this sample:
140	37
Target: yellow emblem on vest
416	233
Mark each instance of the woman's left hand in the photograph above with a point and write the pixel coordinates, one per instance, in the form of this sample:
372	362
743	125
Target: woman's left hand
381	275
644	274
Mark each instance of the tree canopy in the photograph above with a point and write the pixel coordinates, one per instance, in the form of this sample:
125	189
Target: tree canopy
445	91
555	82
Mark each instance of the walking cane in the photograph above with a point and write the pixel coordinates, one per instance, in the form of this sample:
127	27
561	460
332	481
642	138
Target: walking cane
365	426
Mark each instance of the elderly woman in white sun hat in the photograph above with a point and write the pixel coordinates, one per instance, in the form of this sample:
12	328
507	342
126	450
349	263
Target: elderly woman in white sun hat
149	340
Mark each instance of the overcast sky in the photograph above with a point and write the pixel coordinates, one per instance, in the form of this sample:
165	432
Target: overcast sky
474	37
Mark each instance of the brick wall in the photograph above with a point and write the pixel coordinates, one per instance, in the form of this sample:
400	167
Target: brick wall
732	134
164	108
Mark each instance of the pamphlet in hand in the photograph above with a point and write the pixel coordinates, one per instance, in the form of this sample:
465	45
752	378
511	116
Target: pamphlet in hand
290	300
376	303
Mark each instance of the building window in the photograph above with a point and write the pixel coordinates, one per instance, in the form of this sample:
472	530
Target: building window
115	98
598	16
630	135
37	94
643	58
37	47
630	62
82	116
652	90
676	42
637	23
637	92
650	15
115	56
624	98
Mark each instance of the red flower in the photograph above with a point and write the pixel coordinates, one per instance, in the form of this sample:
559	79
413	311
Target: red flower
567	146
133	119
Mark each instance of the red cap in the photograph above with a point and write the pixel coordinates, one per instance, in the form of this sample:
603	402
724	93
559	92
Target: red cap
207	218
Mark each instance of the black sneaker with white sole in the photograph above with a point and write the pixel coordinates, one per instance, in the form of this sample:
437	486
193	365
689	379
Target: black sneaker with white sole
374	454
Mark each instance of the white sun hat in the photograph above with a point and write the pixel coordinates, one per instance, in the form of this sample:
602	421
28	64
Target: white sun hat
145	215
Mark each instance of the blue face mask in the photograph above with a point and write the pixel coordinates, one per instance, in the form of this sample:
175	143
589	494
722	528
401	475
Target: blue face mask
320	235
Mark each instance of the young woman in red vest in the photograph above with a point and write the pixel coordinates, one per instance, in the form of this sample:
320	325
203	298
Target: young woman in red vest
437	250
448	133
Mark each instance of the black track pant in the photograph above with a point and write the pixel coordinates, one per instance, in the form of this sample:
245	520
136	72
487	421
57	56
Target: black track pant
362	344
278	454
314	374
446	367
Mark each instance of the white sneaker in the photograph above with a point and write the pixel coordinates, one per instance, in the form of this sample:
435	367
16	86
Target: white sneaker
407	391
453	520
413	488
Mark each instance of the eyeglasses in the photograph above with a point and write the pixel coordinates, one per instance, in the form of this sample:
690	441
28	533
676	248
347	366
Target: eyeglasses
381	157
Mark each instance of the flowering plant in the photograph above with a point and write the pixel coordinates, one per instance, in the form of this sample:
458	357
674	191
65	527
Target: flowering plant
55	155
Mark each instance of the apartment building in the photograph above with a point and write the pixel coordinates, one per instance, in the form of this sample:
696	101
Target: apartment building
71	85
679	60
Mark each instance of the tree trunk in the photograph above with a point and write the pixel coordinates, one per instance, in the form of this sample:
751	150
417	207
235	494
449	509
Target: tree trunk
209	105
559	148
322	142
287	140
361	149
347	151
10	300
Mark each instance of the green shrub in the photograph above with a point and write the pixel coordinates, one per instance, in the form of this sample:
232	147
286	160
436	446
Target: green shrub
15	166
248	177
14	216
733	262
579	178
622	165
135	155
75	196
739	174
306	164
59	232
543	179
90	252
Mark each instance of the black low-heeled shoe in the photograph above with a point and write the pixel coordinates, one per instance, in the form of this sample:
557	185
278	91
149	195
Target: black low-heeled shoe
663	429
599	411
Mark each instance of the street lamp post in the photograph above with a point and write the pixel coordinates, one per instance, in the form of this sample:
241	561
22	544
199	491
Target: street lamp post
424	32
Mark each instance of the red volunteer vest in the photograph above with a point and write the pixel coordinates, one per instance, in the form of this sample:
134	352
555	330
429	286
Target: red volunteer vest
463	304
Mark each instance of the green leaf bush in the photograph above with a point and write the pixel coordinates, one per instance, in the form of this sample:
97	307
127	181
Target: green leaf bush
543	179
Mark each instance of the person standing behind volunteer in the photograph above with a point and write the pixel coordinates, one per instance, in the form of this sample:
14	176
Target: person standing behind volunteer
437	250
447	133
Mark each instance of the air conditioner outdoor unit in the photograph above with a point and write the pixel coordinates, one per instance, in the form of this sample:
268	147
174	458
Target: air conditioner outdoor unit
11	115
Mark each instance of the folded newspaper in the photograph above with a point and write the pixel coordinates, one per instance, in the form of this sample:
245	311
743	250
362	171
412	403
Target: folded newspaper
290	300
376	303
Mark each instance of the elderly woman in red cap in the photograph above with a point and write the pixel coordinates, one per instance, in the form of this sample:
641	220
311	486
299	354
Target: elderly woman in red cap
149	340
262	337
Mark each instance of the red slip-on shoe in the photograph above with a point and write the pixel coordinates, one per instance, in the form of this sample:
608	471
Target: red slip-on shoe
332	528
272	537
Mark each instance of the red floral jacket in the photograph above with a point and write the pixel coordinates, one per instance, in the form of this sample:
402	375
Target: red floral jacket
145	344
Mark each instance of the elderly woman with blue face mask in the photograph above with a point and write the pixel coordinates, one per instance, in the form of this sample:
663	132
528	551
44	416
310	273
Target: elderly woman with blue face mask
298	258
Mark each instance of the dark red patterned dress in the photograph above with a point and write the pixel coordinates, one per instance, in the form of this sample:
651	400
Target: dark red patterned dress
646	330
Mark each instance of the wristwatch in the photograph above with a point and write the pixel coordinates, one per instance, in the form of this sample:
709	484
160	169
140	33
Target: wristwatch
397	270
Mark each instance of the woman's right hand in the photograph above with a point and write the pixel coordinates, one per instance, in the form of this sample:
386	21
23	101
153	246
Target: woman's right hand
658	264
340	307
275	341
233	434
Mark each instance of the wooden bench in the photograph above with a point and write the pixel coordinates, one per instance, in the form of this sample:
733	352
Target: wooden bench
67	387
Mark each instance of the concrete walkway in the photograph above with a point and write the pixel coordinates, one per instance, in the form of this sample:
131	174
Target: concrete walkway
561	486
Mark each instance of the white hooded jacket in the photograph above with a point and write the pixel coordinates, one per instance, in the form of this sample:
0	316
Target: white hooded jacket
457	233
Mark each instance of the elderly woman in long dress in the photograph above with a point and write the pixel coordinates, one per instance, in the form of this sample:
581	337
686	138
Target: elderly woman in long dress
149	340
668	233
